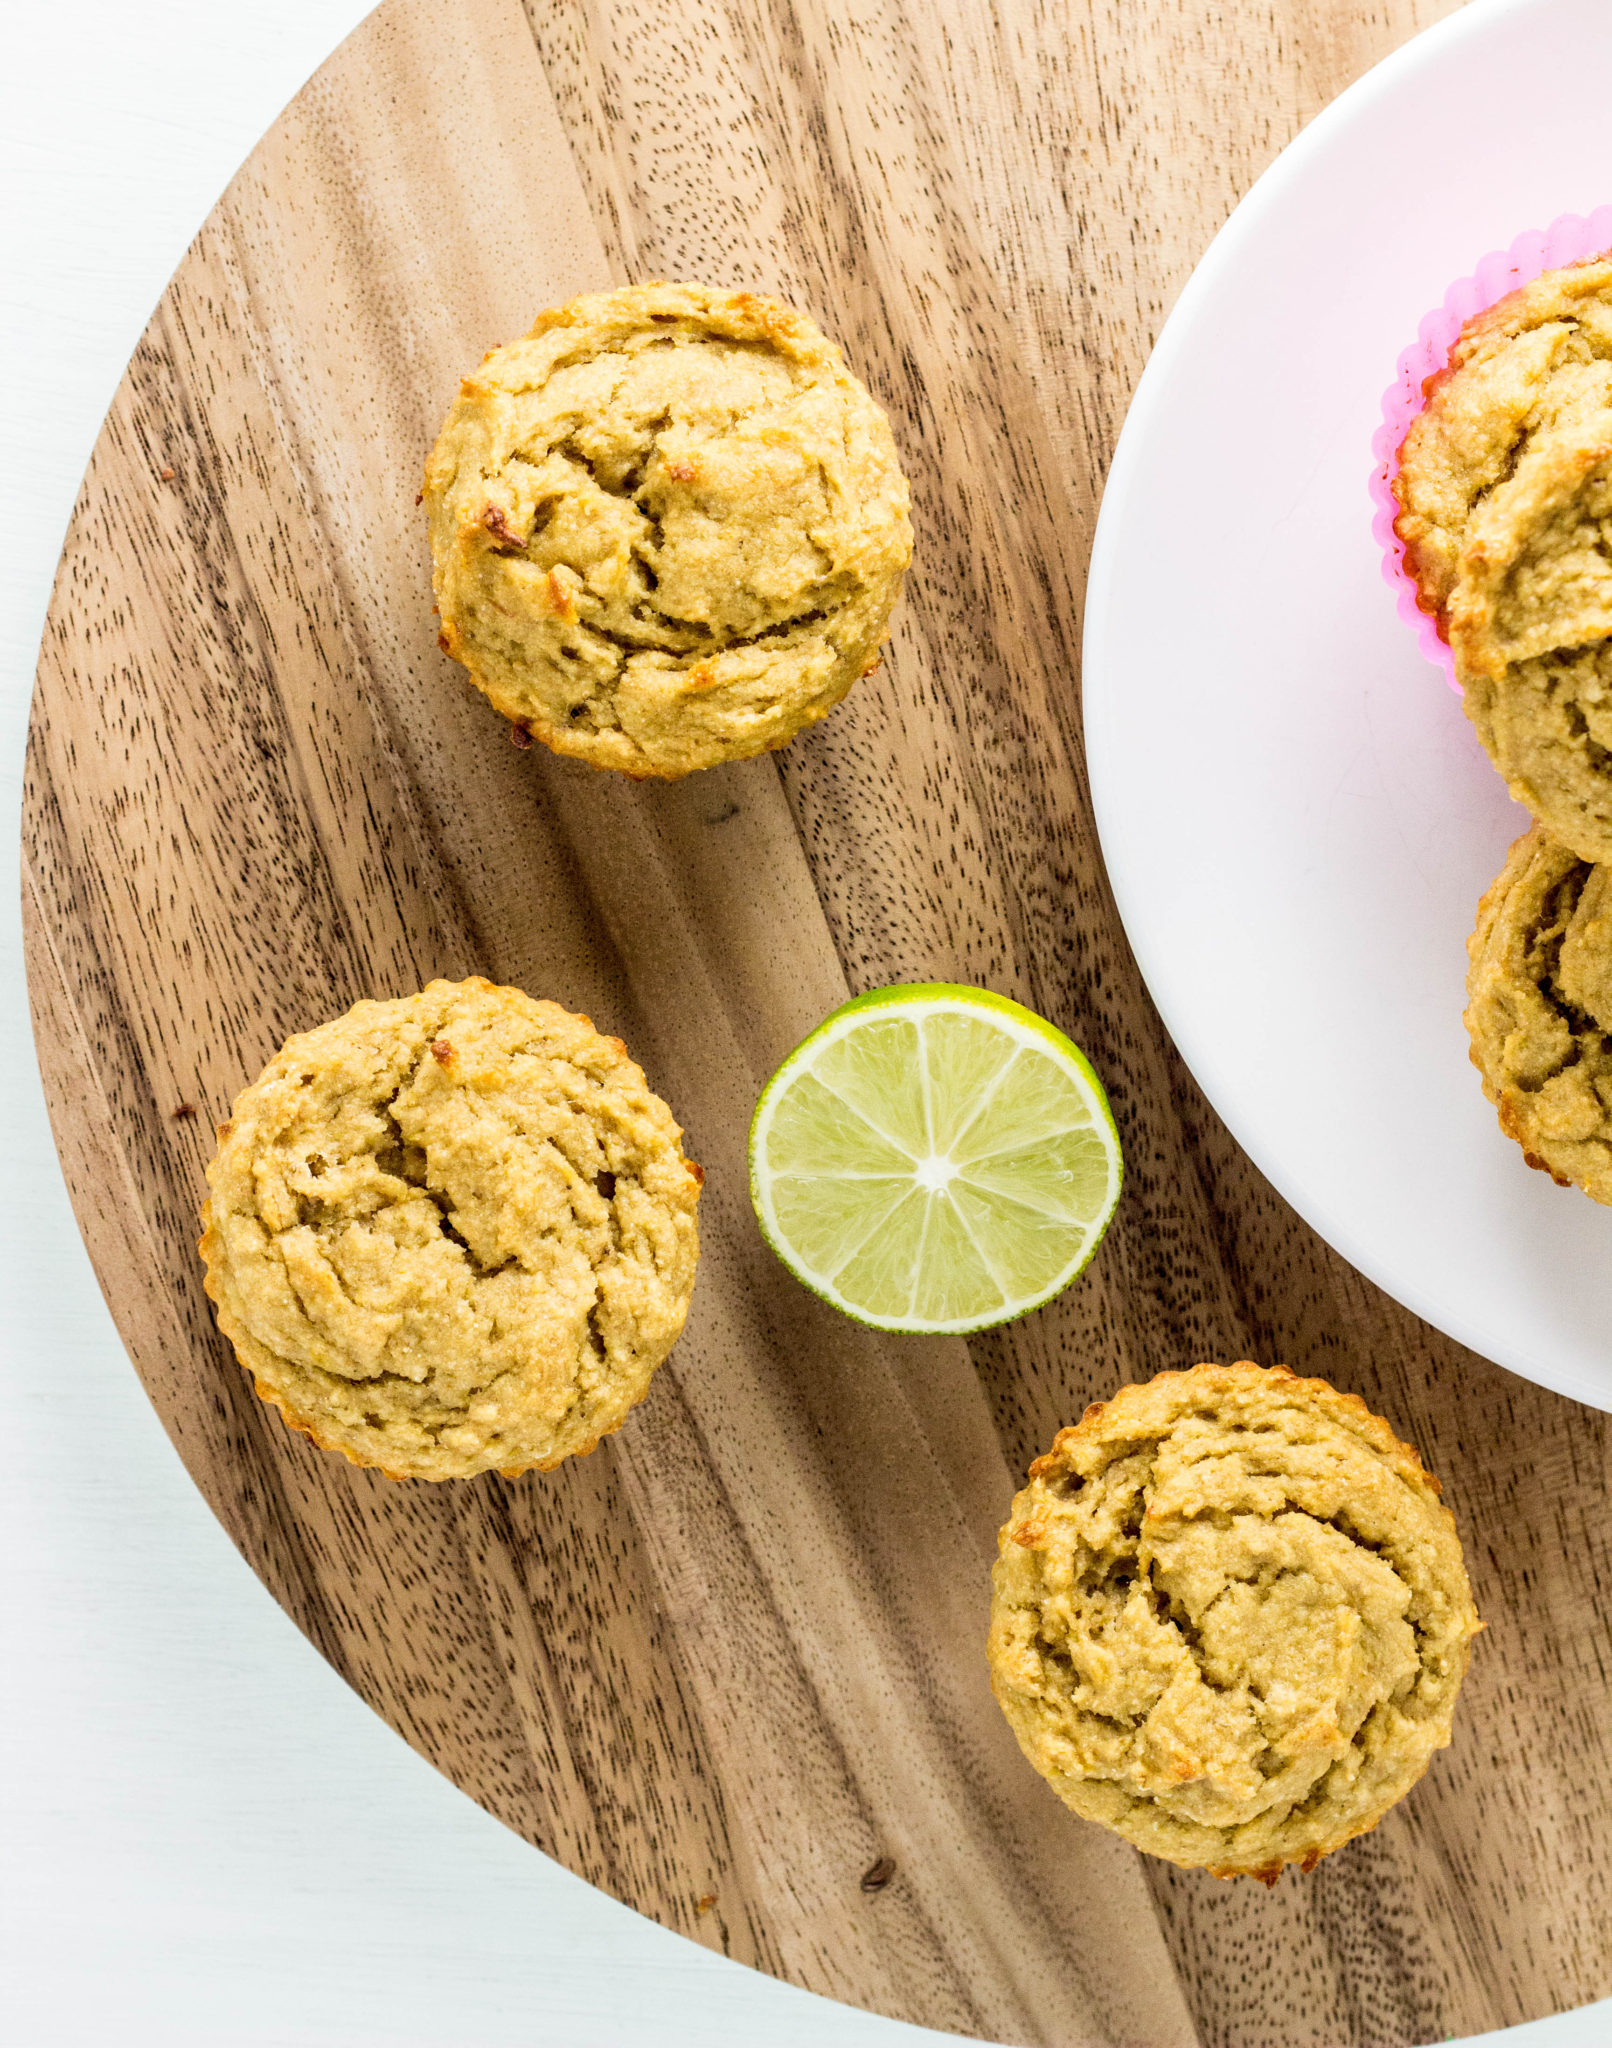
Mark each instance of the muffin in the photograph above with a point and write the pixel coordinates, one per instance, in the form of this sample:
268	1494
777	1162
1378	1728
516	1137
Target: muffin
1230	1618
1546	723
1505	490
1539	1012
668	528
451	1233
1539	353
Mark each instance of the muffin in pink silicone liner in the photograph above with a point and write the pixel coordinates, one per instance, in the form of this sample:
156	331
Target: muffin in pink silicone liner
1494	511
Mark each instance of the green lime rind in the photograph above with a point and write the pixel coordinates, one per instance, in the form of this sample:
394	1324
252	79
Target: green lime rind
946	1166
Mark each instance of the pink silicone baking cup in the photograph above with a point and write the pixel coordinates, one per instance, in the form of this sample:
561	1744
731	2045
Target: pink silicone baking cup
1574	238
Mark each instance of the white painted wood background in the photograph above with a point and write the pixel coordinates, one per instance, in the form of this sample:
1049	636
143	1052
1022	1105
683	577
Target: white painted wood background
207	1838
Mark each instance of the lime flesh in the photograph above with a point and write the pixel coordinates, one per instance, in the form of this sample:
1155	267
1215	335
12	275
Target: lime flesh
934	1158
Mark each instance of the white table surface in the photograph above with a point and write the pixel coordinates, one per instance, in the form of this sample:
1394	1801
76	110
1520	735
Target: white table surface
205	1837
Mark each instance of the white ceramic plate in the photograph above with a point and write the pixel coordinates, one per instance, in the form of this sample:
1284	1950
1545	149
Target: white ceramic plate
1297	817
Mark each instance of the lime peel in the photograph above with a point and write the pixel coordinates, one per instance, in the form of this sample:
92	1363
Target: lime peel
934	1158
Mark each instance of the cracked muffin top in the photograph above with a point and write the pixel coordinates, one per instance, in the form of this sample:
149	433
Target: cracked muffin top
1230	1618
452	1233
1539	1011
668	528
1535	578
1540	357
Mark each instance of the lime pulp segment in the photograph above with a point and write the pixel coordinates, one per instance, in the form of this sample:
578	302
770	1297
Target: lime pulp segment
934	1159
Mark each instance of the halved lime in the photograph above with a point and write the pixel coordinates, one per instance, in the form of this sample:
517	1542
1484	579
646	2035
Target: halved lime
934	1158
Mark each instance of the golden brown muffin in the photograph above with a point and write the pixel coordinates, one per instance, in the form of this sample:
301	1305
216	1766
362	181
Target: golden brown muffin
1547	726
452	1233
1529	620
1534	577
1505	486
668	528
1539	1011
1230	1618
1541	352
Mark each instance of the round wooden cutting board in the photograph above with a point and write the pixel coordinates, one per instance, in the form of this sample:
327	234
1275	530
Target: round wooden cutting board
733	1662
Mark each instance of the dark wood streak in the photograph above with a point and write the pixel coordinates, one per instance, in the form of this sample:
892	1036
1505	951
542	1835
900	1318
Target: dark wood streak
731	1665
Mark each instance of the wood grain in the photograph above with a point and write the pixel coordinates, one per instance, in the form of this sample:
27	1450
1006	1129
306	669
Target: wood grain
724	1665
